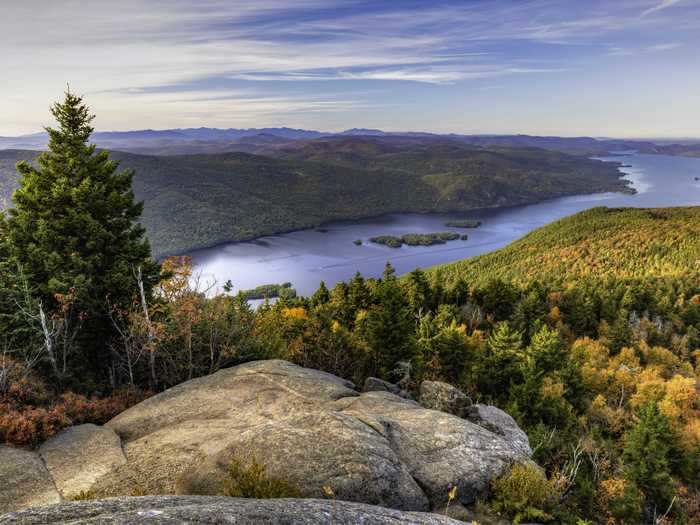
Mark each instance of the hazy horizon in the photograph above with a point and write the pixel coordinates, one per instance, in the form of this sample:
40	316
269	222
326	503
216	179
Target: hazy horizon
540	67
338	131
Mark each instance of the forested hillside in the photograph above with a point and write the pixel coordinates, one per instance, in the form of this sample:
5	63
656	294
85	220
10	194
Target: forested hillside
9	178
601	242
683	150
193	201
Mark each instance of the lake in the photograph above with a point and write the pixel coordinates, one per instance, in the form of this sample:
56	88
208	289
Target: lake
328	254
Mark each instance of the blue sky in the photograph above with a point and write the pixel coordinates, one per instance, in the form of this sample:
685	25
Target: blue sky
627	68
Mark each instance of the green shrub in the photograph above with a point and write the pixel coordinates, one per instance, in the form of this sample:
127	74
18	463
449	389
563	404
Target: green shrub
523	493
85	495
251	481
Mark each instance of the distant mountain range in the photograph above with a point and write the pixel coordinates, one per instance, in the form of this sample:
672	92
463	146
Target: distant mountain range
172	141
260	140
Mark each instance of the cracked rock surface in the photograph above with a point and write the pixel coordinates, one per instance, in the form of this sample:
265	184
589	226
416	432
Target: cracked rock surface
80	455
24	480
171	510
308	427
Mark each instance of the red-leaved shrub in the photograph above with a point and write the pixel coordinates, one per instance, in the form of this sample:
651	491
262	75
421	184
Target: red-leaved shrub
30	425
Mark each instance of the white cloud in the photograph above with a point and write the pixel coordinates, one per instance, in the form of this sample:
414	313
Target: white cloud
664	4
621	52
221	108
667	46
431	74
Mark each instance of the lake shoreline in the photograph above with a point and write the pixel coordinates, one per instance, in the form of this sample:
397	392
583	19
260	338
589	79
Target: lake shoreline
360	219
306	256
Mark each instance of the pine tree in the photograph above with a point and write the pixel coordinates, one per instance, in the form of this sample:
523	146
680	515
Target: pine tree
546	351
389	272
74	230
620	333
503	362
389	328
648	447
320	296
498	298
505	342
358	293
418	291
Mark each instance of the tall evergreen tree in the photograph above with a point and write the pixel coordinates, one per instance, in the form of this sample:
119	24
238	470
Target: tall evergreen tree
74	229
418	290
505	343
320	296
503	362
546	351
388	327
647	452
358	293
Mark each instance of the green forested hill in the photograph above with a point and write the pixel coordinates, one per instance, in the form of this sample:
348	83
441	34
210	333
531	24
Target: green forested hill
193	201
8	175
600	242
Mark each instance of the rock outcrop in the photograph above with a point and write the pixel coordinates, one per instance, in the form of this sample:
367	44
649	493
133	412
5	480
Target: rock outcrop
437	395
499	422
24	480
310	428
167	510
312	450
80	455
374	384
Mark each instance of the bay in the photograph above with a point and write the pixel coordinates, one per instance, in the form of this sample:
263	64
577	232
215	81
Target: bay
329	254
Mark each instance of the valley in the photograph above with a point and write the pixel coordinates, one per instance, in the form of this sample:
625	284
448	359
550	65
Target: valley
309	256
198	201
230	211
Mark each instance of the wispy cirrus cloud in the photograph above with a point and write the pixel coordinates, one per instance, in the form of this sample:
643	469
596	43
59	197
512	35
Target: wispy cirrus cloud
429	74
660	6
159	62
666	46
654	48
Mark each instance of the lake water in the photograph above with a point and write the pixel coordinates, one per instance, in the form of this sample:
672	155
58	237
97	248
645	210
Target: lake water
307	257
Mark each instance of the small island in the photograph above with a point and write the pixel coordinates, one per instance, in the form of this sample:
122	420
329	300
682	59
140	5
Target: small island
269	291
387	240
417	239
463	223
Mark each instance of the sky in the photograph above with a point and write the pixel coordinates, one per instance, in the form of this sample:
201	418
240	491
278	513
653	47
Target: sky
614	68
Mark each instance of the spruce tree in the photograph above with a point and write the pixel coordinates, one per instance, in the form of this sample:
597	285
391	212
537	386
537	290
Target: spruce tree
648	447
503	362
74	229
546	351
320	296
358	293
389	325
505	343
417	290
